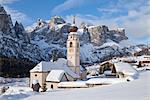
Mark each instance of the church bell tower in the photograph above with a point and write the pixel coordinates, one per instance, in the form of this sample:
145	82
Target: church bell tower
73	49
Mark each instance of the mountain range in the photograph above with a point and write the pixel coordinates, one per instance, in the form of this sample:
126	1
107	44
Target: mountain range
45	40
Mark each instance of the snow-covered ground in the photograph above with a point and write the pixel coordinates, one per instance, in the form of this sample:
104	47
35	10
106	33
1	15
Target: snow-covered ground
138	89
14	82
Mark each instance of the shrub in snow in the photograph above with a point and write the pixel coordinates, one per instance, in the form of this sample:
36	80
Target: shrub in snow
44	87
3	90
129	78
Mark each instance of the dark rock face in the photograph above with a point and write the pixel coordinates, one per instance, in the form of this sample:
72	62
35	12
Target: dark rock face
118	35
20	32
99	34
6	22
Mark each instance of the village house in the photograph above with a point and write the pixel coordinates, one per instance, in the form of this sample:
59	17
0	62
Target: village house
62	70
112	73
144	61
118	69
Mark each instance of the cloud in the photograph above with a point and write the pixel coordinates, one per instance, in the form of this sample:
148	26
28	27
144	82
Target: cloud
7	1
68	4
15	14
90	19
18	16
108	10
136	23
133	16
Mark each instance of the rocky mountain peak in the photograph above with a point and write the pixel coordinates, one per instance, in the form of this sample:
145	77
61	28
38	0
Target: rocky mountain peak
2	10
21	34
19	27
56	20
40	23
6	25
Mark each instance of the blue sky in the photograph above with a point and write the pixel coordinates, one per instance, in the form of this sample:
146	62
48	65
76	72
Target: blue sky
133	15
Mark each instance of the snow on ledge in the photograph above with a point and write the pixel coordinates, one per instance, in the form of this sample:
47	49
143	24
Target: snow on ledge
98	81
75	84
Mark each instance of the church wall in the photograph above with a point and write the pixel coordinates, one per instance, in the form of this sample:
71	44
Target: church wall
83	75
40	76
73	52
50	84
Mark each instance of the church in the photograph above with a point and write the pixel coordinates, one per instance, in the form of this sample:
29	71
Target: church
51	73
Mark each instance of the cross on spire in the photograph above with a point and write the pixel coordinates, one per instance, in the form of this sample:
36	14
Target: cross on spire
74	19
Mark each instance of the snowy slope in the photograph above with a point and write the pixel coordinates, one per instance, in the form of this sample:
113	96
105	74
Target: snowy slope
135	90
120	88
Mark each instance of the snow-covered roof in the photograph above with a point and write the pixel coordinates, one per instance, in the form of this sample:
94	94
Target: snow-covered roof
41	67
138	58
55	75
144	58
76	33
72	84
98	81
60	64
125	68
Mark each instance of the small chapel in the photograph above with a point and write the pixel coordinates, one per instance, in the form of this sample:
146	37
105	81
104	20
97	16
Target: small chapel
50	74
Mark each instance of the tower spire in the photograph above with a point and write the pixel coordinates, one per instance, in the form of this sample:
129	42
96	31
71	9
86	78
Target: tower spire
74	19
73	27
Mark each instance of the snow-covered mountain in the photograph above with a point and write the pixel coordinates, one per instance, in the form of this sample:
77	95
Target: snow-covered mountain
44	39
97	43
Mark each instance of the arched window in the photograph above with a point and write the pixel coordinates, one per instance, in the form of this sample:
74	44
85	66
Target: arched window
71	45
77	45
52	86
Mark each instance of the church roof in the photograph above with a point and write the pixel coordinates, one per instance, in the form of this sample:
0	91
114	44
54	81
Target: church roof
55	75
73	28
60	64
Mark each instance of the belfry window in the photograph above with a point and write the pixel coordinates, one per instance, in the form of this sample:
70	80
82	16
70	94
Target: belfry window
77	45
71	45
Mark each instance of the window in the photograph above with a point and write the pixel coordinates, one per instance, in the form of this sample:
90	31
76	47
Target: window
52	86
35	75
71	45
77	45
